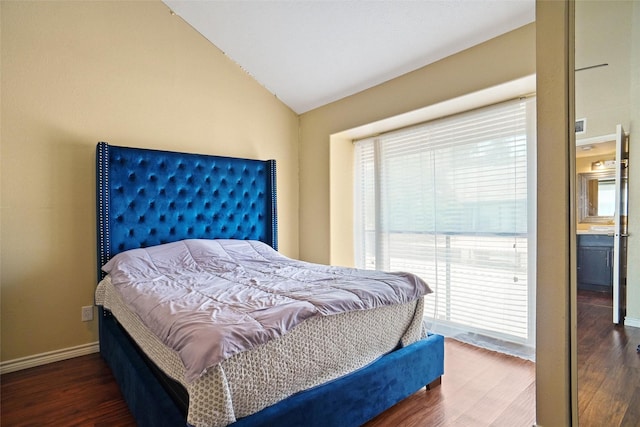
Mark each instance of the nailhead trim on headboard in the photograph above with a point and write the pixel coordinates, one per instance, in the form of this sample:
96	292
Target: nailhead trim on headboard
149	197
102	204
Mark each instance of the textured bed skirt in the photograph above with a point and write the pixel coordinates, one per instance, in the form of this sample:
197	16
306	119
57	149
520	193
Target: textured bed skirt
319	350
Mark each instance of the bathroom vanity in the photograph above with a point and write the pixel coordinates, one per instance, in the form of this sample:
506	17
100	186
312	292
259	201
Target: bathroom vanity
595	262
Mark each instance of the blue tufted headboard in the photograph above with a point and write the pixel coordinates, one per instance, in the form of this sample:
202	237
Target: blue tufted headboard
149	197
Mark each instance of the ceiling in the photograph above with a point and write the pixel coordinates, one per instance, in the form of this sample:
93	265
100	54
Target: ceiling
606	148
309	53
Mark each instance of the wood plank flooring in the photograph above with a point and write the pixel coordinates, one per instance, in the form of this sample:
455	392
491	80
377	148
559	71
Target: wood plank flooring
75	392
608	365
480	387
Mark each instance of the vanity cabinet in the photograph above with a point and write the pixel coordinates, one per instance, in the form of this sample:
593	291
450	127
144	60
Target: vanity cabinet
595	262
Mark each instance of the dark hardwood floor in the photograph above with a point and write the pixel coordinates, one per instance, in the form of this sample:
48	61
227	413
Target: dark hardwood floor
480	387
75	392
608	365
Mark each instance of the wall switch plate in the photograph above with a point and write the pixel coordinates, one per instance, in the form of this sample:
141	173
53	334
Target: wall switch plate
87	313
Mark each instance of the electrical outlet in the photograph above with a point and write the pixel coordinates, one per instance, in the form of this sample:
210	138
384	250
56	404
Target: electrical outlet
87	313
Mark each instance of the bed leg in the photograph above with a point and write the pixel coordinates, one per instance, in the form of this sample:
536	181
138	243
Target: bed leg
434	383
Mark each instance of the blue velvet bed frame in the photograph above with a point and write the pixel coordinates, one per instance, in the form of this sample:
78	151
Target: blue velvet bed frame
149	197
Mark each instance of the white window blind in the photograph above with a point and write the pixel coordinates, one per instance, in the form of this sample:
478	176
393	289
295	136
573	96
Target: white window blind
452	200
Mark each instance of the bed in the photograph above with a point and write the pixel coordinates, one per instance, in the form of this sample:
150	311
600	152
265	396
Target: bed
148	199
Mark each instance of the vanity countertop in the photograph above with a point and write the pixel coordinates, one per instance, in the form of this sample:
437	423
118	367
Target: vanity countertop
597	232
598	229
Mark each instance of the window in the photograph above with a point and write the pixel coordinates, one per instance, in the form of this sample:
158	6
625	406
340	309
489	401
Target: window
606	197
453	201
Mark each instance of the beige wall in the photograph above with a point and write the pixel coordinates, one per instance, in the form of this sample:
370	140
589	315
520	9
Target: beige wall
129	73
556	359
503	59
633	273
500	60
609	32
603	30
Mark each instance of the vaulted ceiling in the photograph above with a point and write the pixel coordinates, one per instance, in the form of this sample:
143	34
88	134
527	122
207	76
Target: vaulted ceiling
310	53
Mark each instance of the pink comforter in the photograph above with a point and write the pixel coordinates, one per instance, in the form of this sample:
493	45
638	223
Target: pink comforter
211	299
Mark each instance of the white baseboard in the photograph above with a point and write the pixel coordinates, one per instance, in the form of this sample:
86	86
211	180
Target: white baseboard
48	357
630	321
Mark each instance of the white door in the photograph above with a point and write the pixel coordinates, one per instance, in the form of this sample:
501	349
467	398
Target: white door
620	228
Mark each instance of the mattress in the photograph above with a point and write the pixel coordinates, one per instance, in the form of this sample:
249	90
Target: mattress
211	299
318	350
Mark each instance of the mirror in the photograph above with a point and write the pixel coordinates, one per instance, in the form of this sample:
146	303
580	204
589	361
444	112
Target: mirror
596	196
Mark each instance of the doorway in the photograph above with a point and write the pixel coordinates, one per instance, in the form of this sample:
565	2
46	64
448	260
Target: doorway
606	94
602	207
